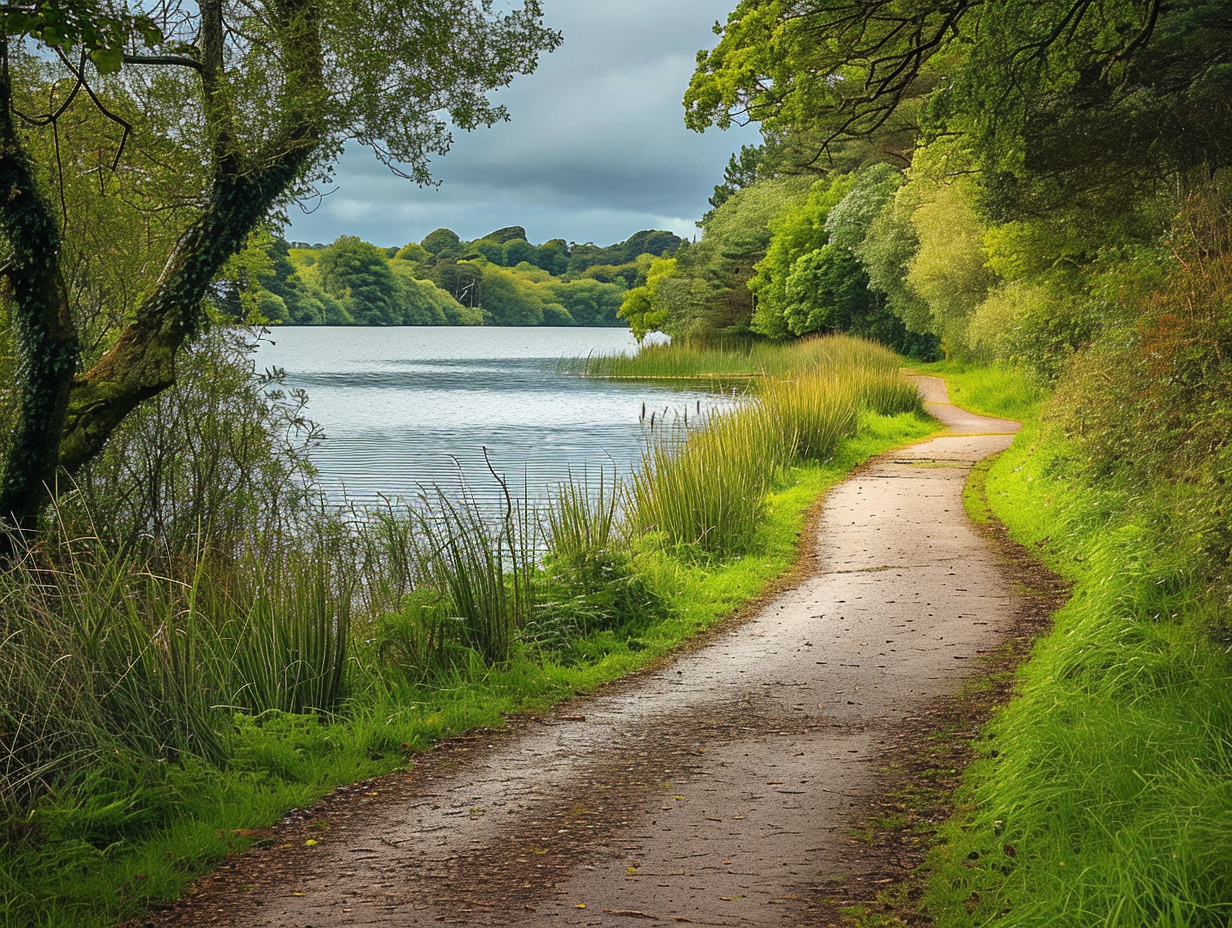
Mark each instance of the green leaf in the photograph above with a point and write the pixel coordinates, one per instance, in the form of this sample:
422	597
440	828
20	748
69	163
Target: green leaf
107	60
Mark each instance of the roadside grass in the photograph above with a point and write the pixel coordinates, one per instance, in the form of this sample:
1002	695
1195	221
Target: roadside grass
438	625
999	390
1103	791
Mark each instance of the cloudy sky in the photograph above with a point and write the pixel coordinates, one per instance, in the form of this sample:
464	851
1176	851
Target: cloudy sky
595	150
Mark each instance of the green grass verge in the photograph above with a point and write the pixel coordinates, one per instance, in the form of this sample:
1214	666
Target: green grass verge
1001	391
102	849
1103	793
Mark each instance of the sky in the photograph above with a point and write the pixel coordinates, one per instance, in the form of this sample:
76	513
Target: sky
595	149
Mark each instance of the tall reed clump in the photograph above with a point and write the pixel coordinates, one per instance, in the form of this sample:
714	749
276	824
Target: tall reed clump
813	413
105	656
482	571
731	358
707	488
289	625
591	582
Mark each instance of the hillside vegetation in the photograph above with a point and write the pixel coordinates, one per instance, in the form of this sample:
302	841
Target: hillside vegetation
500	279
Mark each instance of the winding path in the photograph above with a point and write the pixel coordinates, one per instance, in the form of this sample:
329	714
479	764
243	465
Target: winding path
714	791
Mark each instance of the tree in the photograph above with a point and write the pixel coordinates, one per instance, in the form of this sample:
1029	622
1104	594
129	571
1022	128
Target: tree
950	270
553	256
846	68
589	302
442	243
508	299
264	94
642	306
741	171
797	231
358	274
1072	105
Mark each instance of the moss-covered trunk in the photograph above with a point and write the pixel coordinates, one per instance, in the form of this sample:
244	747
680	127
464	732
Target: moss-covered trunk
46	339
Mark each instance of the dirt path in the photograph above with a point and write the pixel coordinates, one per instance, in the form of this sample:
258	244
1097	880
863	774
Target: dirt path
715	791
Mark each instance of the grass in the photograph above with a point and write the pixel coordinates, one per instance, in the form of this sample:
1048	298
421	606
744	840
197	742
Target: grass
738	360
1103	795
1000	391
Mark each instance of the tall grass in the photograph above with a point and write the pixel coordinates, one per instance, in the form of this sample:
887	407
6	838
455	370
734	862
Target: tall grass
704	488
581	517
709	491
483	571
813	413
104	654
739	360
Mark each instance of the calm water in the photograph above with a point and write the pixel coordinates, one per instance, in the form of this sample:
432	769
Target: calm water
407	408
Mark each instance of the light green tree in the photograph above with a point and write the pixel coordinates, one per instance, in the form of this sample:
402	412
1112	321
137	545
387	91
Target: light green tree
642	306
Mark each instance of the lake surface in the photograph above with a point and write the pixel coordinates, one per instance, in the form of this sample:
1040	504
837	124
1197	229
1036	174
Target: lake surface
404	409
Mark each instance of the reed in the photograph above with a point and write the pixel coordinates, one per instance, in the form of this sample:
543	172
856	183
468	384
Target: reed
485	572
290	628
739	360
707	489
105	655
581	518
814	413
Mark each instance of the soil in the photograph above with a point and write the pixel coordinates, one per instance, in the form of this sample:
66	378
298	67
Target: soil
787	772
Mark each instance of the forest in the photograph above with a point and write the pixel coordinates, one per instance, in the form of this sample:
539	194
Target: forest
1032	199
499	279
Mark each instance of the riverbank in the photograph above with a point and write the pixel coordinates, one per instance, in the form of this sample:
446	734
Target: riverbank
124	834
716	789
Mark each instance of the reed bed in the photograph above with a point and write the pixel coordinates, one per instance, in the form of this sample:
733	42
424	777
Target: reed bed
708	489
704	488
104	657
739	360
813	414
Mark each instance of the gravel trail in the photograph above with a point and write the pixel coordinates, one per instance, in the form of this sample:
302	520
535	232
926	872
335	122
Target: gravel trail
714	791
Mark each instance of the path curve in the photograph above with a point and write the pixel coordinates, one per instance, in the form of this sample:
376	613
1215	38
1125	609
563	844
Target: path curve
714	791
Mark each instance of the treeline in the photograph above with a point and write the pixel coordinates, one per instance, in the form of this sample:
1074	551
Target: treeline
785	254
500	279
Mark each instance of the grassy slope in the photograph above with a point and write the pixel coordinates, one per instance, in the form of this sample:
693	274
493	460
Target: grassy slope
1104	792
107	848
1003	392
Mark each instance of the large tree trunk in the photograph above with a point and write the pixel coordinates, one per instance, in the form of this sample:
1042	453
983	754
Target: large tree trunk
142	361
64	418
47	349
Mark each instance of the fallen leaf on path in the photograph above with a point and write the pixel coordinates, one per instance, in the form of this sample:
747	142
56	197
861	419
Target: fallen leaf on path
631	913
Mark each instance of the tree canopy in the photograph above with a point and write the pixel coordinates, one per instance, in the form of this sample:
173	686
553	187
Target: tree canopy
215	114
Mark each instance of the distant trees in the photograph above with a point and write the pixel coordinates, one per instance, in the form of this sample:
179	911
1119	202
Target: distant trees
442	280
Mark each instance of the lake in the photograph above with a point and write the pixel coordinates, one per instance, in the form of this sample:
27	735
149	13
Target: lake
404	409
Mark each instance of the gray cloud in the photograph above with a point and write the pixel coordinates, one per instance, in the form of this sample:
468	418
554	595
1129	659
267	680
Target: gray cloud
596	148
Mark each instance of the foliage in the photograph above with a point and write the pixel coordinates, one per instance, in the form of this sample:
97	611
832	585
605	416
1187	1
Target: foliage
709	295
949	270
223	453
796	232
262	97
358	275
643	306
